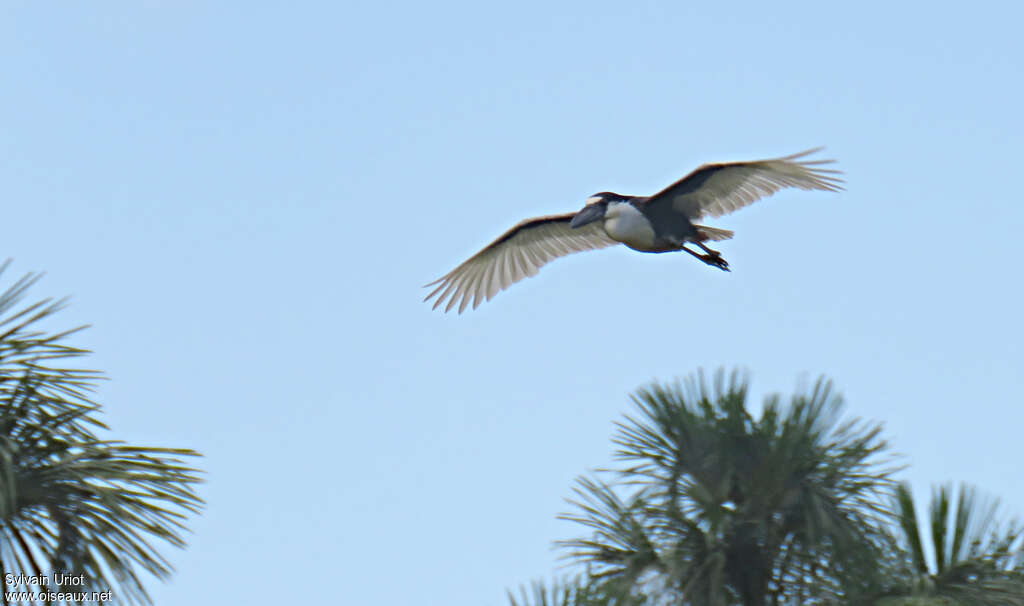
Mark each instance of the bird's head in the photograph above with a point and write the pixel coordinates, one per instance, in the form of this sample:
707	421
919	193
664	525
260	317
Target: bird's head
597	206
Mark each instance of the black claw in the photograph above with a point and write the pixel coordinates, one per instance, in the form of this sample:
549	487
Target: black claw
717	261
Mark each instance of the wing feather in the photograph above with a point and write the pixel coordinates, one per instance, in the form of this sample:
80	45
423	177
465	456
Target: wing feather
714	190
519	253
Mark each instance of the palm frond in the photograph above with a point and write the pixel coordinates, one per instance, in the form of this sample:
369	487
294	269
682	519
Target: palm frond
70	500
622	543
571	592
725	507
976	560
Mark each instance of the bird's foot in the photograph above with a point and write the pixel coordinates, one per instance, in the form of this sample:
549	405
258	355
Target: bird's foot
716	260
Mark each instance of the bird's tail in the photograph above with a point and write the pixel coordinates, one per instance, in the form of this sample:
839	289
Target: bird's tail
713	233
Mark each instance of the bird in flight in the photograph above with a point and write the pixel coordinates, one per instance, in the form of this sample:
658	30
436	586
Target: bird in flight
660	223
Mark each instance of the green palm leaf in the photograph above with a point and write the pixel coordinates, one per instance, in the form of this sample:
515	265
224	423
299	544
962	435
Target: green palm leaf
715	506
573	592
71	501
975	560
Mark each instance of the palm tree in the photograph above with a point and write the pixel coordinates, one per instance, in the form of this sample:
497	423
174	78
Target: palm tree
961	555
713	506
71	501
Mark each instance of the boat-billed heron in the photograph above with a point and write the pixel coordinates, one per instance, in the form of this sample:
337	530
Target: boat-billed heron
663	222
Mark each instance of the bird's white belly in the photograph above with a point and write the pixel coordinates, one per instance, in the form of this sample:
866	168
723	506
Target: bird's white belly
624	223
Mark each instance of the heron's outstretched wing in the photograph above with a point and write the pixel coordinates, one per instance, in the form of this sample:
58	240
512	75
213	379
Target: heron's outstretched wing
517	254
717	189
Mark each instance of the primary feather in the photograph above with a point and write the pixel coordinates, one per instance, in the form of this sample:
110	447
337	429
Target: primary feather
516	254
714	190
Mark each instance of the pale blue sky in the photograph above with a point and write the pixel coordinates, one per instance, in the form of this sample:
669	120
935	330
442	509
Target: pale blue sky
245	198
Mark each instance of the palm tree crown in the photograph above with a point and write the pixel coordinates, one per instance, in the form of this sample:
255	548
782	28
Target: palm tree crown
71	501
958	554
714	506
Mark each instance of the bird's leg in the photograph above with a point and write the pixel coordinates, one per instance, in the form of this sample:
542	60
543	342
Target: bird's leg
711	252
712	258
